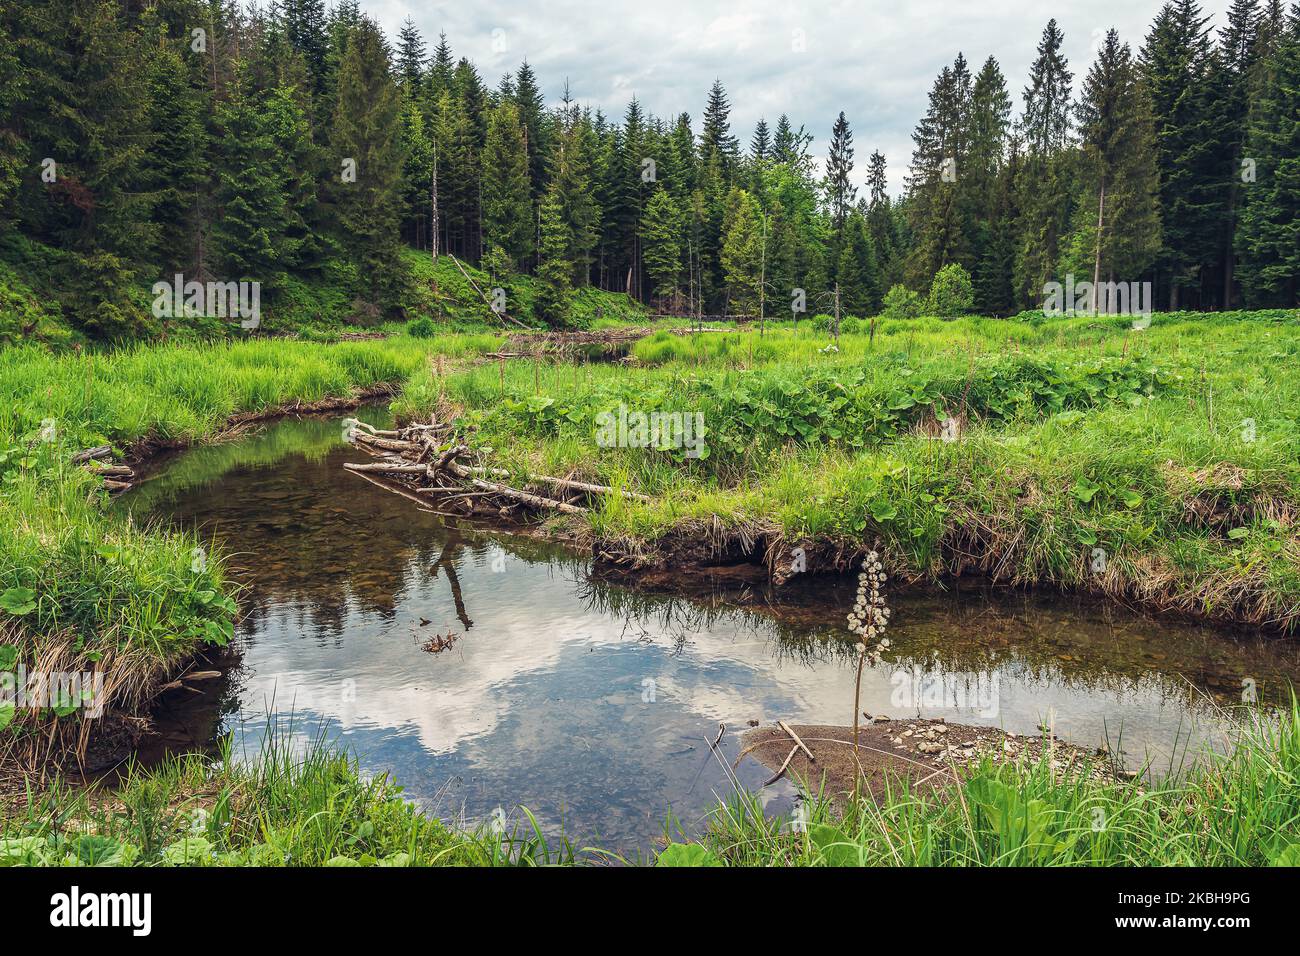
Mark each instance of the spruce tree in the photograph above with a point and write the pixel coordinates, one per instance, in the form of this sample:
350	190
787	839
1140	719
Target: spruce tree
1239	45
1118	235
368	130
573	177
742	254
1179	67
1268	232
715	134
760	146
661	228
554	270
1043	186
507	212
979	188
417	174
880	217
410	56
536	126
179	160
442	68
840	191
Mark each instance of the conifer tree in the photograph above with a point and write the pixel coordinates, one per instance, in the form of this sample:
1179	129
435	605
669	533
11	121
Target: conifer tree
1178	68
368	130
554	270
1268	232
410	55
661	228
507	212
760	146
1119	232
1043	187
573	177
417	173
840	191
536	126
715	134
742	254
1239	45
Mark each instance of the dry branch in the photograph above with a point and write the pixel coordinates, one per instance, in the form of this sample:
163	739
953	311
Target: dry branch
99	451
799	744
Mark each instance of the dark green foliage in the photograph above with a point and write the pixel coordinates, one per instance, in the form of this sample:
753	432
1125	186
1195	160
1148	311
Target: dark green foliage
554	270
133	148
367	129
1268	234
507	212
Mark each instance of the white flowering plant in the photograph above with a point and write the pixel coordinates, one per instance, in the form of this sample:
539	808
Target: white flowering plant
870	616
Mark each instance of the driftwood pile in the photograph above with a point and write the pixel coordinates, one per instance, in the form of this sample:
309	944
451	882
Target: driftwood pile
98	461
431	464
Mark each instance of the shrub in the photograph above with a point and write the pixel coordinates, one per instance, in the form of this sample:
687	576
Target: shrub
951	293
902	303
424	328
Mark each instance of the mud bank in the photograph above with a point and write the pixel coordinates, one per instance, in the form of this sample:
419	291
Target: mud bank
926	754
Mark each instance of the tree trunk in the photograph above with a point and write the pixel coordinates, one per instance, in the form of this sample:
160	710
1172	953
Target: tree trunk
1096	263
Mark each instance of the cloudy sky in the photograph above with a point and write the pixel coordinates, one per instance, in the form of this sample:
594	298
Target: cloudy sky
876	61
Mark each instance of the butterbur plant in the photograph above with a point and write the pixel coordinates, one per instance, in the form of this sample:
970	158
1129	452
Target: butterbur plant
868	620
870	614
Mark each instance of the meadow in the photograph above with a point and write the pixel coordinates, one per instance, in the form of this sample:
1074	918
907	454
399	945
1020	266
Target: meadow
1158	466
1021	449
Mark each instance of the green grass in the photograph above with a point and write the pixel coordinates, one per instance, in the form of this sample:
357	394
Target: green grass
311	806
1172	449
289	806
1236	807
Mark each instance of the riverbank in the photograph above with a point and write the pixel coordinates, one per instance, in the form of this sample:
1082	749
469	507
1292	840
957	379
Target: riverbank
119	609
1154	467
284	808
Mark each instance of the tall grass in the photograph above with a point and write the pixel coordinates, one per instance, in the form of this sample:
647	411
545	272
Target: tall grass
1235	807
293	804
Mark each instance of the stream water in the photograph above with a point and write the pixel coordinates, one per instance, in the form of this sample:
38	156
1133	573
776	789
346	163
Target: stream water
595	706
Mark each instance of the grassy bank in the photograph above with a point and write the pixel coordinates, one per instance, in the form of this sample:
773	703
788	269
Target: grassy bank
82	591
1235	807
287	808
1168	452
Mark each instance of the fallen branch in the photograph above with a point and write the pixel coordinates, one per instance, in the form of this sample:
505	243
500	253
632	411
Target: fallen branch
112	471
786	763
502	316
99	451
571	484
388	444
535	500
795	737
387	468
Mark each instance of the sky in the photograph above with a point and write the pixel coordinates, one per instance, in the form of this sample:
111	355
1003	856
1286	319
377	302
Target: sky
875	61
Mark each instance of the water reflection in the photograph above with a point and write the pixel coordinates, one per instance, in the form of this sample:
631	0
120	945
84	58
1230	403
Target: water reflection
594	705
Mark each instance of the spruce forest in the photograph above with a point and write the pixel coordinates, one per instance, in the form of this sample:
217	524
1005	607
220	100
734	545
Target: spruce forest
299	147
